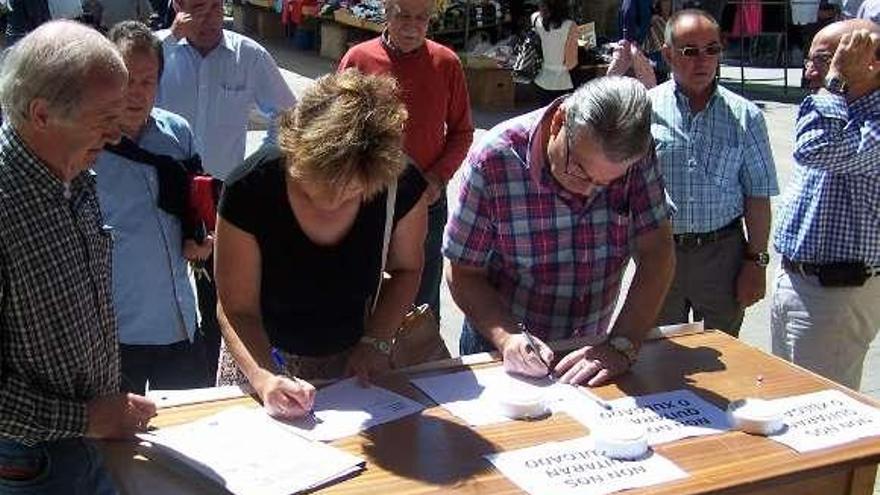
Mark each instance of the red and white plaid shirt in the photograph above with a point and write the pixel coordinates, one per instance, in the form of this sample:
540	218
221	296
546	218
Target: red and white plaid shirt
556	257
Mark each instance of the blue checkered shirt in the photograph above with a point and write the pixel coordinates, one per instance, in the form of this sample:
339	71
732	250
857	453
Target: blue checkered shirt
831	209
711	160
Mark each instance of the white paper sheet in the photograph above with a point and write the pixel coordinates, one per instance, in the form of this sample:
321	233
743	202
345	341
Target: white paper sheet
573	467
473	395
346	408
824	419
171	398
248	452
666	416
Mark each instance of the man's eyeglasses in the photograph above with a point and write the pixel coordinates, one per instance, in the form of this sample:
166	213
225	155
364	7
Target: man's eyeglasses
693	51
820	61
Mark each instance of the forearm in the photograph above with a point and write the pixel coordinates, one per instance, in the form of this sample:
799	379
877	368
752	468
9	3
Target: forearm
757	218
248	343
482	304
395	299
829	139
653	276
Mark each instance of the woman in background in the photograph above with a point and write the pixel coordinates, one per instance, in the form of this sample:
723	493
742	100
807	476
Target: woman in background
559	46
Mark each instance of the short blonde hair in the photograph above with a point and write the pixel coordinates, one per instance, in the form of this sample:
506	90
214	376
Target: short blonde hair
346	127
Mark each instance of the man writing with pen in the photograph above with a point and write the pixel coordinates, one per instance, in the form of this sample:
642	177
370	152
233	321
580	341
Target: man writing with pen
553	205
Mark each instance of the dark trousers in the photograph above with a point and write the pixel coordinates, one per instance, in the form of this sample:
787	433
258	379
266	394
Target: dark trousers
210	327
70	466
168	367
432	272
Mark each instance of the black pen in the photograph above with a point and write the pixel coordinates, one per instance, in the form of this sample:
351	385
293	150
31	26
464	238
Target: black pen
533	347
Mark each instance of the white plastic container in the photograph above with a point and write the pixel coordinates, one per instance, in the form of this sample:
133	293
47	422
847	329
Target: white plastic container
623	441
755	416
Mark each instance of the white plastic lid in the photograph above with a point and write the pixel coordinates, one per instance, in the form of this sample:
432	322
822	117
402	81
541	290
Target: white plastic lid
756	416
621	440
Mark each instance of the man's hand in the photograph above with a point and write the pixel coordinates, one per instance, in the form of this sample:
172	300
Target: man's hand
436	186
855	53
118	416
621	59
595	365
182	25
522	359
286	398
366	362
194	251
750	284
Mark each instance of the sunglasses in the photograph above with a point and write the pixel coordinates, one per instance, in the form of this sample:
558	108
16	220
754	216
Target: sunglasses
693	51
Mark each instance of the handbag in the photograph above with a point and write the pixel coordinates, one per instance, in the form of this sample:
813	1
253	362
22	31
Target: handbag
418	339
528	56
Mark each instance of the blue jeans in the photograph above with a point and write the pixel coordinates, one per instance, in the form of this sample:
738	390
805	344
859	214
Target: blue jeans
472	341
432	272
70	466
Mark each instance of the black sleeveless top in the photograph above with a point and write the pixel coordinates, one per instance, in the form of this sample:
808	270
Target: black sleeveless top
313	298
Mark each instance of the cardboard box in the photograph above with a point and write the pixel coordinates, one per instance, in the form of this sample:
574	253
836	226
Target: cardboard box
268	24
490	87
334	40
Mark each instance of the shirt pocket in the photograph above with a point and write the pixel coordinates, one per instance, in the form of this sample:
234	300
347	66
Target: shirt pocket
722	165
233	109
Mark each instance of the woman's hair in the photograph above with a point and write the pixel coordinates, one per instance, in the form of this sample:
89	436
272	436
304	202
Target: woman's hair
553	13
346	127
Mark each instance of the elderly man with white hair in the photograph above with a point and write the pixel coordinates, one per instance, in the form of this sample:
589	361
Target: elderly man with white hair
553	205
62	88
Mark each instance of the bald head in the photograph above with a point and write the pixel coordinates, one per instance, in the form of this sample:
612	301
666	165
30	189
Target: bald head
834	31
824	45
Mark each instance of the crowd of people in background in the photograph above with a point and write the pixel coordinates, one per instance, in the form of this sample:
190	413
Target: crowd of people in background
327	236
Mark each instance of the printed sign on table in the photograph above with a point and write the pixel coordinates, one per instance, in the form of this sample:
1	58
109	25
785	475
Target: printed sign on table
824	419
666	416
574	467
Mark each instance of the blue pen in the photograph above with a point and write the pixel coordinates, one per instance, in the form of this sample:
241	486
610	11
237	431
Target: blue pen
278	359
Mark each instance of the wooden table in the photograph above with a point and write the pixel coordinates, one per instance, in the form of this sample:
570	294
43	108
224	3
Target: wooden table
435	453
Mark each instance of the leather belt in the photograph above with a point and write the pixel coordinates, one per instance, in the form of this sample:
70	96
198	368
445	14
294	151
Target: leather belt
814	269
703	238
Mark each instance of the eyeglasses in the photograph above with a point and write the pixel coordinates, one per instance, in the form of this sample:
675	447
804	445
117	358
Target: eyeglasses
577	170
820	60
693	51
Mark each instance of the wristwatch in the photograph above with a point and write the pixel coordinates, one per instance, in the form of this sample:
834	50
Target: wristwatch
626	347
382	345
836	84
762	258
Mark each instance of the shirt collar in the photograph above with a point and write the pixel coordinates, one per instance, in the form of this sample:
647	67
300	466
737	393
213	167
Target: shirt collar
683	99
37	171
395	53
225	42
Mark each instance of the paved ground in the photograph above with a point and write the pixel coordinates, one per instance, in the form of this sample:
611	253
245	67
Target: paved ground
765	87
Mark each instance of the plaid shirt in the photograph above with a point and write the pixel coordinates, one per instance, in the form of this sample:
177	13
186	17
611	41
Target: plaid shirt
556	257
58	344
713	159
831	210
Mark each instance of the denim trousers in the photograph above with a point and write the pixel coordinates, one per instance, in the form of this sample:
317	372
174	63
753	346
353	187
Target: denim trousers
70	466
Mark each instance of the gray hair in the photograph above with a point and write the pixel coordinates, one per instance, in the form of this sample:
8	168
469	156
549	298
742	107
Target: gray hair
669	30
54	62
615	111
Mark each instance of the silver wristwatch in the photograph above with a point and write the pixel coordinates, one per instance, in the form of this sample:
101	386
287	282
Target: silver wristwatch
382	345
626	347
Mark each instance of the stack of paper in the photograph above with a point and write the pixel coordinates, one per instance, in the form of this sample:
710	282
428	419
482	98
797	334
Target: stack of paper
249	453
825	419
347	408
474	395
